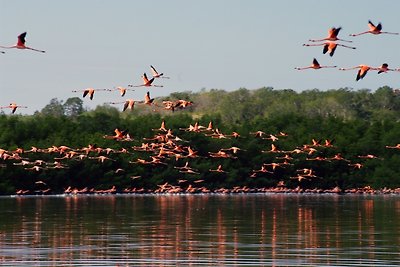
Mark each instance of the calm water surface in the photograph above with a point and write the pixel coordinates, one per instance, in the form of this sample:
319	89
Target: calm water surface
205	230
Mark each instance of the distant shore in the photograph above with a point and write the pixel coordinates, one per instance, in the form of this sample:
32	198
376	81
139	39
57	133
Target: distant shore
175	190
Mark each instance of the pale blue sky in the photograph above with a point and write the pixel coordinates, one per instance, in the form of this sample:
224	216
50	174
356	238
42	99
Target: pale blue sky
199	44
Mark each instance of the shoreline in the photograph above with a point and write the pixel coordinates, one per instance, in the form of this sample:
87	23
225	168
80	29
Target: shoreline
174	190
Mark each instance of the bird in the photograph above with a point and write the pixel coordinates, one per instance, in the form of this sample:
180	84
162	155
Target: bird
147	99
180	103
363	70
146	82
374	30
315	65
218	169
89	91
397	146
332	36
330	47
119	134
21	44
13	107
156	74
384	68
122	90
128	104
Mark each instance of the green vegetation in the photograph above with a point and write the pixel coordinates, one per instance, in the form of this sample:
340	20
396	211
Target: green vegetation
360	123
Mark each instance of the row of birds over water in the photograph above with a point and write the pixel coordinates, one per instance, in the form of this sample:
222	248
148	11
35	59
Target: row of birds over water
165	148
329	43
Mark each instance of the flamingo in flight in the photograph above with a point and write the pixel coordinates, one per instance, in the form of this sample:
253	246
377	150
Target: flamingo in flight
147	99
13	107
329	47
374	30
89	91
155	73
128	104
363	70
332	36
21	44
146	82
122	90
384	68
315	65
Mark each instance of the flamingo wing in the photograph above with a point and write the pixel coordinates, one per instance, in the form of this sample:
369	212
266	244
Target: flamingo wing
326	47
333	50
21	39
125	105
85	93
315	63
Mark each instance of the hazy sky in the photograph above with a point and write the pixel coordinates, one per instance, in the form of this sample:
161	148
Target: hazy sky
211	44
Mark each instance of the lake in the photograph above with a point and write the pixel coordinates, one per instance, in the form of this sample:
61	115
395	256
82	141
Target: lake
200	230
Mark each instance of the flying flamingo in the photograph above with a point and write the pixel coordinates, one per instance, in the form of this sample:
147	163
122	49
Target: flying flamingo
128	104
147	99
156	74
374	30
329	47
122	90
146	82
89	91
332	36
363	70
21	44
315	65
13	107
384	68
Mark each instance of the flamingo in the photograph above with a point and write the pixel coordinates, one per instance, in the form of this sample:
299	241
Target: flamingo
156	74
21	44
332	36
147	99
384	68
118	134
146	82
315	65
374	30
218	169
182	103
329	47
122	90
13	107
395	147
363	70
128	104
89	91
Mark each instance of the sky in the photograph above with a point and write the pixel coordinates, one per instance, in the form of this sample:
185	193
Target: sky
208	44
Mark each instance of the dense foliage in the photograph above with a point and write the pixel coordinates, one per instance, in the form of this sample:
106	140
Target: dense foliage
360	124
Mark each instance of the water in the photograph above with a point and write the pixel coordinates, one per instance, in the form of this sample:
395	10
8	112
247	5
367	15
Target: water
200	230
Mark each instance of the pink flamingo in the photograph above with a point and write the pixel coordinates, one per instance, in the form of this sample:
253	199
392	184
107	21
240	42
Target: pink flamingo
329	47
89	91
315	65
363	70
156	74
332	36
13	107
374	30
146	82
21	44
